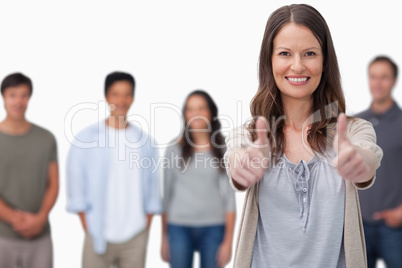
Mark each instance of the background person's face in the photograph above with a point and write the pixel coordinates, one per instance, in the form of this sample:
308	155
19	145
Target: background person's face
381	81
16	101
297	62
120	95
197	113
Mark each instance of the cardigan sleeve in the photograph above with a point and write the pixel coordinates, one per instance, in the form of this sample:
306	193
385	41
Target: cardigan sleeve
361	133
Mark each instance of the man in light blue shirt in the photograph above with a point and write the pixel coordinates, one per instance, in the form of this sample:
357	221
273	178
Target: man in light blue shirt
113	183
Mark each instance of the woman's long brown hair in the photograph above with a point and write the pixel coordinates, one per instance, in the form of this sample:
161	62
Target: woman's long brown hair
328	98
217	140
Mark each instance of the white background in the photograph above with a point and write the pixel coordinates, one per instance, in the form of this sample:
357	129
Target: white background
172	48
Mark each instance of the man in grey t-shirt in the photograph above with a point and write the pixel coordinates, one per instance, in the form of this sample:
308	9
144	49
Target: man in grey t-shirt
28	181
381	205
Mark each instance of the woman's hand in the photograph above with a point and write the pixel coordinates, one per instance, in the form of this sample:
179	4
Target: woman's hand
247	166
165	249
224	254
352	162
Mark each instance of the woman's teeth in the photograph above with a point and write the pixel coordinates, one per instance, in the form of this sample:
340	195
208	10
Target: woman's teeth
297	79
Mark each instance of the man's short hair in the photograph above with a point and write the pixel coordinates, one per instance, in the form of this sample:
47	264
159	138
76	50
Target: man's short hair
14	80
393	65
118	76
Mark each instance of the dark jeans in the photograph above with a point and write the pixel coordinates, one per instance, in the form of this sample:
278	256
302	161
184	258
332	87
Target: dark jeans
385	243
183	241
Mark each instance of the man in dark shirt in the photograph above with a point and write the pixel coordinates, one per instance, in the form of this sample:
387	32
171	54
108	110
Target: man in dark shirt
381	205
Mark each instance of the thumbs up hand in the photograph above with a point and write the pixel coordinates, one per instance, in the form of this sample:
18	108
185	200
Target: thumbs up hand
350	161
262	142
247	166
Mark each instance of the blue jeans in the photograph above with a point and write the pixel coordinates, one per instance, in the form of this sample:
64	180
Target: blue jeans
184	241
385	243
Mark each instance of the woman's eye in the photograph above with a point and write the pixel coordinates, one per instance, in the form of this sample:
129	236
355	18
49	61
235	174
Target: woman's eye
310	54
284	53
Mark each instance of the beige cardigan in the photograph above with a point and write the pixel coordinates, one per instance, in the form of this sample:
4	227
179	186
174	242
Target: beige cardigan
361	133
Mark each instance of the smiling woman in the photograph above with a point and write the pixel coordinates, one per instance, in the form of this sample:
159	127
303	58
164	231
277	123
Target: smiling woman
303	212
297	66
298	61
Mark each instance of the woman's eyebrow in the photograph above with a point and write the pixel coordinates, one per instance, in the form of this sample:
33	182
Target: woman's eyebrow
282	48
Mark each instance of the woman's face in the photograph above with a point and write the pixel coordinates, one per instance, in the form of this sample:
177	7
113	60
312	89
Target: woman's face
197	114
297	62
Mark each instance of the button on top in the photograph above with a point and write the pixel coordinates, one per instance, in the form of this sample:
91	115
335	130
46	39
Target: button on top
304	190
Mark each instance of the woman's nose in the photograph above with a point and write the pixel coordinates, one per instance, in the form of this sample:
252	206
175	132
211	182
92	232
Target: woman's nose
297	65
